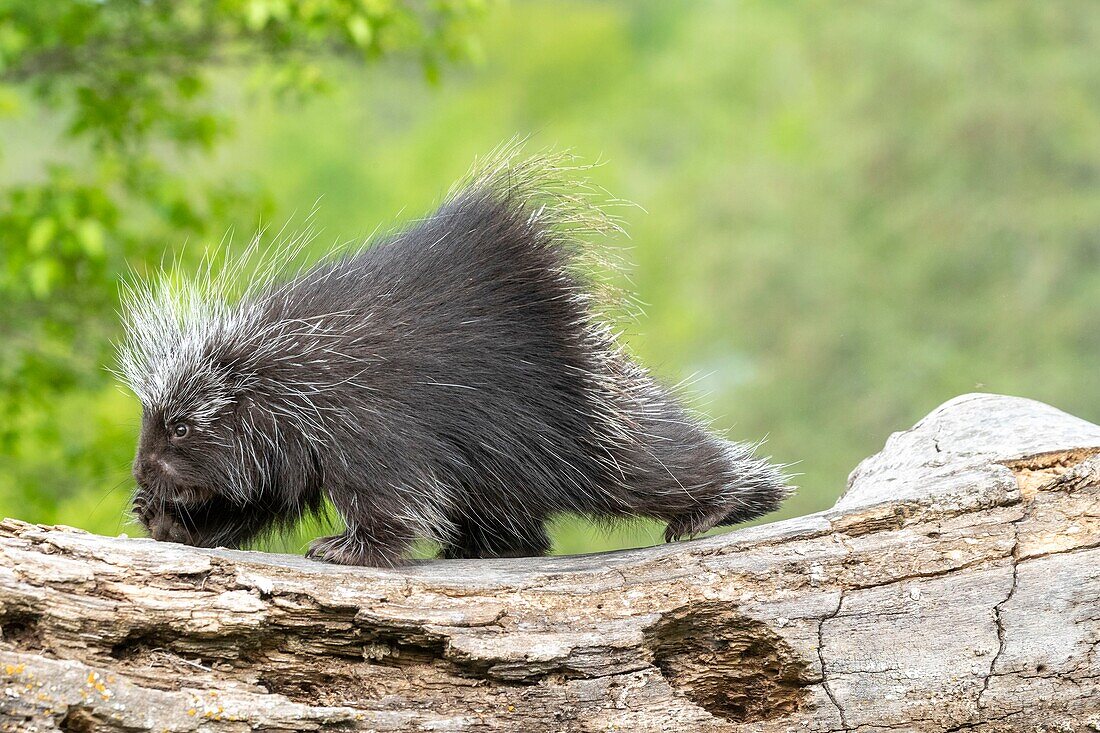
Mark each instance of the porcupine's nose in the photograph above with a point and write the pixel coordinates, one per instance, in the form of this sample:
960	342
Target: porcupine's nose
141	470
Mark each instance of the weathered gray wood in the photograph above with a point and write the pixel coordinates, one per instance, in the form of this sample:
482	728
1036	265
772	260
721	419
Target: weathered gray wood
956	585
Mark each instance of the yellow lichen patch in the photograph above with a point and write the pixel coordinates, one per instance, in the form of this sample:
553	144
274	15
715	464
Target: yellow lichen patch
207	708
14	669
95	681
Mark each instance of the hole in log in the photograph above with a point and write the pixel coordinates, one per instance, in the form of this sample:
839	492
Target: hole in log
130	647
78	720
20	630
731	666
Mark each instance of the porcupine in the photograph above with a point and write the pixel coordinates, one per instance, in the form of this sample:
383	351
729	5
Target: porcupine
454	381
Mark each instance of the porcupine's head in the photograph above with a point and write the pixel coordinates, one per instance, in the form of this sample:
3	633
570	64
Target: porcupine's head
219	427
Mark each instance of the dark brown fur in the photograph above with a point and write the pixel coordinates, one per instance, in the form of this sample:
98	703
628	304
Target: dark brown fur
459	388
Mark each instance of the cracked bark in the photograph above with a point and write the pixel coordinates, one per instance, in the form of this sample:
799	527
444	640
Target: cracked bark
954	586
821	658
999	624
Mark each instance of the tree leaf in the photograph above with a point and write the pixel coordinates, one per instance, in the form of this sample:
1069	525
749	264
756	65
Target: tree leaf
41	235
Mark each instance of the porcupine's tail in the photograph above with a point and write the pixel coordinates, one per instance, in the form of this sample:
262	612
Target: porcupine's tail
674	468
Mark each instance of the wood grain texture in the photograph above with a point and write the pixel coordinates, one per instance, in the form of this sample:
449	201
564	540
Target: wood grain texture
955	586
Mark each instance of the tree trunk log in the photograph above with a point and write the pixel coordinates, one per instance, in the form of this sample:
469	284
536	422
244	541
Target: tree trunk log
954	586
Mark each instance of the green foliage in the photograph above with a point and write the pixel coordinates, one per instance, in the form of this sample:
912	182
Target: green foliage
131	91
849	217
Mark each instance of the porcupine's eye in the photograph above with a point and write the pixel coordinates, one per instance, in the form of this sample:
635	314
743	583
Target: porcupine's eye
179	430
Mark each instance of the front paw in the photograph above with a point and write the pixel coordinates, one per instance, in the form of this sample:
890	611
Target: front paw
349	549
168	528
144	509
162	525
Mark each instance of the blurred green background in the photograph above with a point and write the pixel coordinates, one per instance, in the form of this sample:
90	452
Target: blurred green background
847	215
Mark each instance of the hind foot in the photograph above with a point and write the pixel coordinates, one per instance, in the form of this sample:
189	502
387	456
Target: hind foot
351	548
687	526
